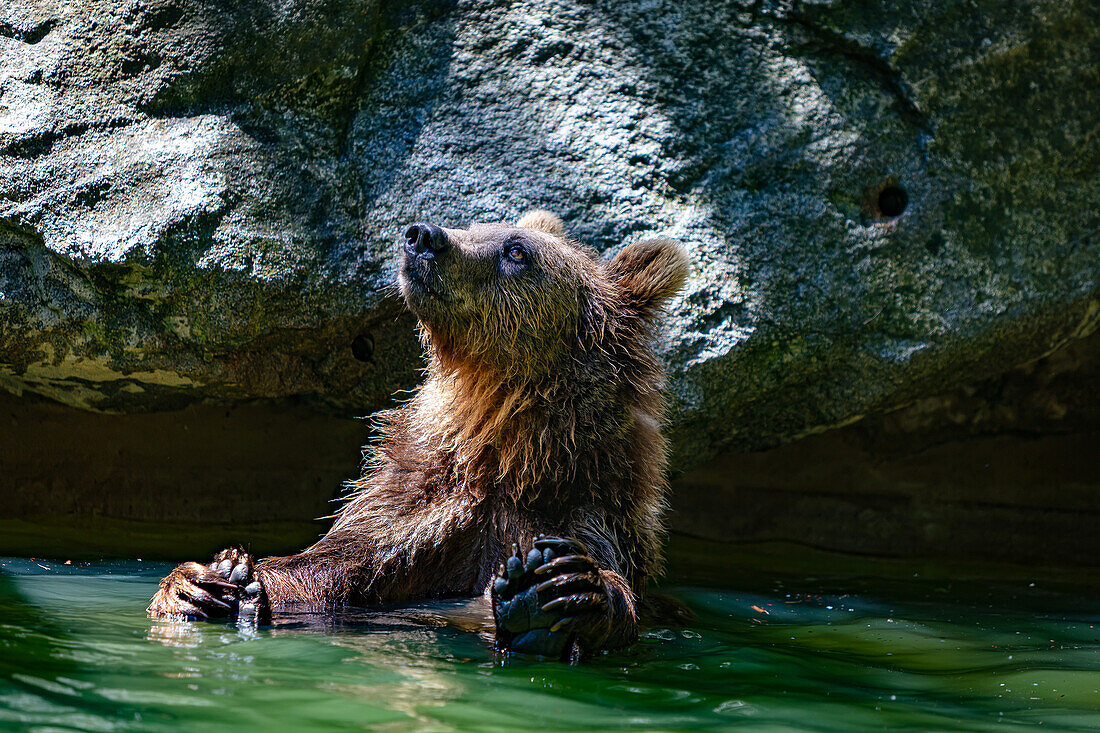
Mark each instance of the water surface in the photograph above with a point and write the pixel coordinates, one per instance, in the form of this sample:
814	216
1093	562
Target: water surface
794	641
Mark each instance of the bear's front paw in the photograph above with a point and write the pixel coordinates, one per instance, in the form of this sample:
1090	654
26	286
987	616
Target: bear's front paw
551	602
226	588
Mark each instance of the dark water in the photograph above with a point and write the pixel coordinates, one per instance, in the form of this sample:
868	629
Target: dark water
786	649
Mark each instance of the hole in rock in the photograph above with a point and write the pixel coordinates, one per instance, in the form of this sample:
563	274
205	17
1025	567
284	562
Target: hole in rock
892	200
362	347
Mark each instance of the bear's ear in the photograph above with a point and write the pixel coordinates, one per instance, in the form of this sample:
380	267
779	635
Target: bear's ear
542	221
649	273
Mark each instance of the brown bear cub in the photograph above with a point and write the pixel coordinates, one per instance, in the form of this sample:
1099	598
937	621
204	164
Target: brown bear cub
537	428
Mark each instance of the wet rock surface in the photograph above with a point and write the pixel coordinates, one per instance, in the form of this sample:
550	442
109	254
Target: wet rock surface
201	203
1003	468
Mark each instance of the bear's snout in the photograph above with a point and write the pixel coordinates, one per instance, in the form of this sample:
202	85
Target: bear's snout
426	241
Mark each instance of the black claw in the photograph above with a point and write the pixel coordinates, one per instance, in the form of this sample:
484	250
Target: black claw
569	562
193	611
575	602
581	581
515	567
515	550
560	545
216	582
565	624
203	597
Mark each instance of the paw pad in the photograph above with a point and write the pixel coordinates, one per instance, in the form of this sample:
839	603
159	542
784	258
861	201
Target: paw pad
541	602
226	588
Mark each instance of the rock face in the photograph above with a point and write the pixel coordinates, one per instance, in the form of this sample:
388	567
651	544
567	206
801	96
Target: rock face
1001	469
202	202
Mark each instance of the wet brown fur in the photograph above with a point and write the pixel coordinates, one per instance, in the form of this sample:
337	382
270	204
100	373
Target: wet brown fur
540	413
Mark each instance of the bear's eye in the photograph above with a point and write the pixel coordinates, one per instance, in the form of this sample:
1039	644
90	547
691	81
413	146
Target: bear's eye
515	253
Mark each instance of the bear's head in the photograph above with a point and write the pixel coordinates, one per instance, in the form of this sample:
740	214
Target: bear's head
521	300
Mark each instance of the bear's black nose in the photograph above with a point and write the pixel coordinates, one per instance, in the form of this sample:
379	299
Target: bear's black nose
425	240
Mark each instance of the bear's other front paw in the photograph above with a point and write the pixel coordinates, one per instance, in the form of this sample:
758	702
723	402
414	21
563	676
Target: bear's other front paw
551	602
226	588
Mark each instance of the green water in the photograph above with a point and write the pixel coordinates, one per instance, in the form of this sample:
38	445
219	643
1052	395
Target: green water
862	645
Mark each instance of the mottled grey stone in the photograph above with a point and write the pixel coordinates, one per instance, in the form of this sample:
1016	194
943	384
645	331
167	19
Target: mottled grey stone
202	201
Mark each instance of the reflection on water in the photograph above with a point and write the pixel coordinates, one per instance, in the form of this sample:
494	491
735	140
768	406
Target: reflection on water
790	649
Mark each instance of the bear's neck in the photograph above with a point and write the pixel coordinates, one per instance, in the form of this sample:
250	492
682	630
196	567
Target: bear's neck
531	441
